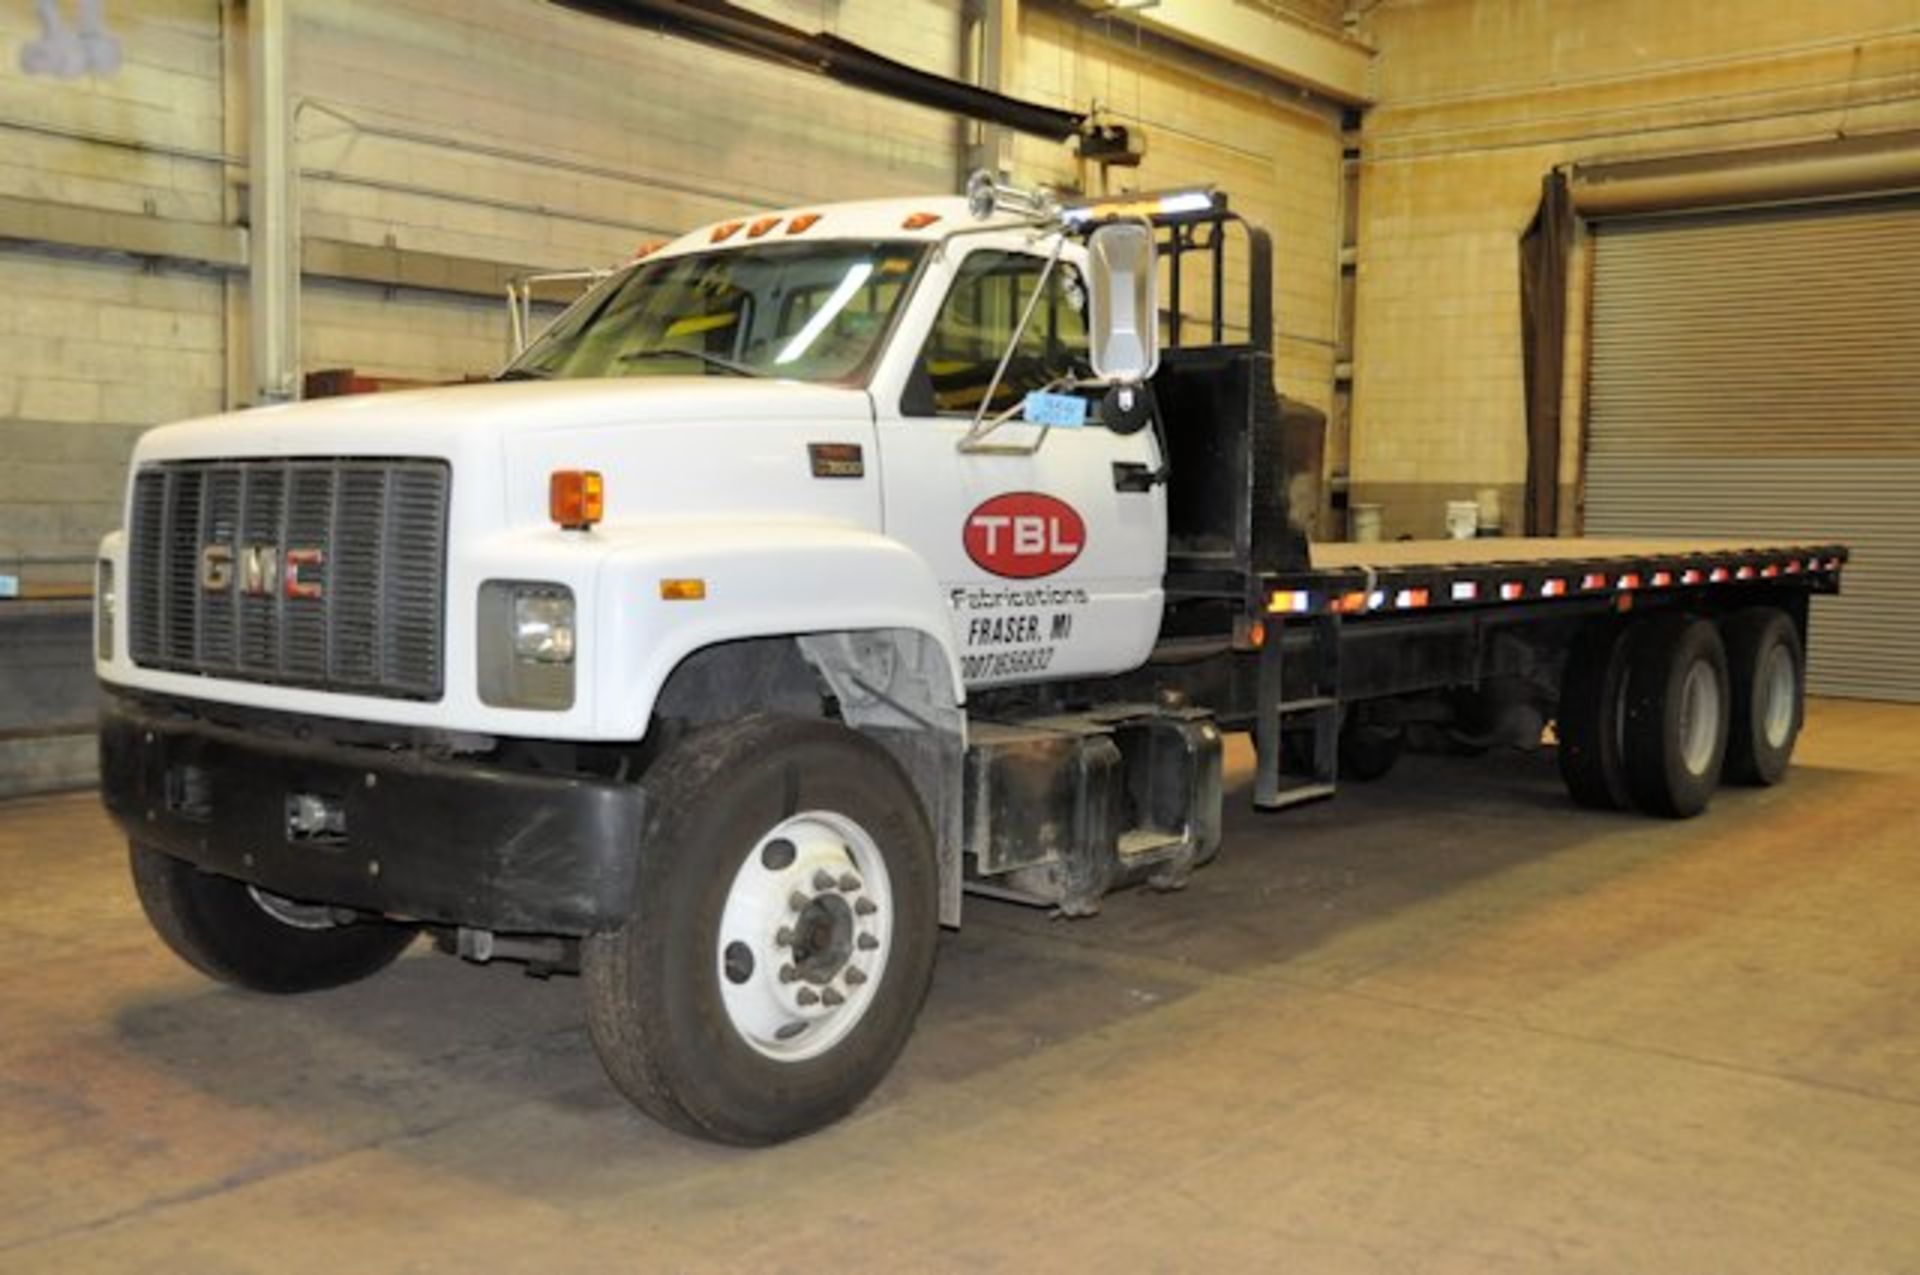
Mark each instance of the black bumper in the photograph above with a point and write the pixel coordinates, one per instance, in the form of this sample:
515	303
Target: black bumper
442	840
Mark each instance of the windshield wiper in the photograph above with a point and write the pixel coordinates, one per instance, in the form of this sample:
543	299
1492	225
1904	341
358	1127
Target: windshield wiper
525	374
711	360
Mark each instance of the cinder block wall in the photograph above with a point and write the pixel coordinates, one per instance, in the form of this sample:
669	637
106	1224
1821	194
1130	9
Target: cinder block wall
1478	99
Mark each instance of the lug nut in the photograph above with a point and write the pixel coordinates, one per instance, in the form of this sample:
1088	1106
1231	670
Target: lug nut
849	882
865	907
867	943
797	901
788	973
855	976
831	997
823	880
807	996
783	937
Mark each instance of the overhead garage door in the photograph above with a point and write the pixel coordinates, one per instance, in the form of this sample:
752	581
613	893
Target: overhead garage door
1758	373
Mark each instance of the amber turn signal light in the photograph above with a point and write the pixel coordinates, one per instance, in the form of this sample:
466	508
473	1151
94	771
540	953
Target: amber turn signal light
576	498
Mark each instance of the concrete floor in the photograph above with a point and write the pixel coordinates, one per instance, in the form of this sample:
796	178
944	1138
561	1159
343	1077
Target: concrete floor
1445	1023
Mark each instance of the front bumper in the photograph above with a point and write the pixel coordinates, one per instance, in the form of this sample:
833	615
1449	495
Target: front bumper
446	840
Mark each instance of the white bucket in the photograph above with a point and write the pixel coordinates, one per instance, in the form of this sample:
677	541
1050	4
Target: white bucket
1463	519
1363	523
1488	498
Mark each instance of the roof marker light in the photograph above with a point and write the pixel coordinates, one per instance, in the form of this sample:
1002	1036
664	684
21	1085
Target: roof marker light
761	227
1554	588
804	222
1661	579
1512	591
1744	573
1593	580
1629	581
1692	575
648	248
1465	591
1410	599
725	231
1720	575
1793	568
919	220
1769	571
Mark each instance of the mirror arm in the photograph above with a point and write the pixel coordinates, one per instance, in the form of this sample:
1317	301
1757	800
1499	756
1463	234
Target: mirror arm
980	427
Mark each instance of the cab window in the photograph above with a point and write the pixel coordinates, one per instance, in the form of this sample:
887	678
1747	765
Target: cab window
976	321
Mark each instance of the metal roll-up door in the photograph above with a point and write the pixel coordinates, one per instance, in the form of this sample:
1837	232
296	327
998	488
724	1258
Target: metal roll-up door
1757	373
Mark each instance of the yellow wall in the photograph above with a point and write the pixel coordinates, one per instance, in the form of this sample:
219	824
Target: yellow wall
1478	99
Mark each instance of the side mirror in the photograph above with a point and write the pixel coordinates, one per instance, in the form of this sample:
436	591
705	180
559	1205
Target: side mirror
1124	290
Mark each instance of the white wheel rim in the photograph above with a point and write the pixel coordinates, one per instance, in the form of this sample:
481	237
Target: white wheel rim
1699	717
805	936
1781	688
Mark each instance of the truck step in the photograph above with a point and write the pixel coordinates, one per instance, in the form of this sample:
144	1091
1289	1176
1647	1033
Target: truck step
1312	704
1297	795
1144	845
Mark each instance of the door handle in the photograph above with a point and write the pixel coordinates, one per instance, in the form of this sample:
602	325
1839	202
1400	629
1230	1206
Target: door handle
1131	475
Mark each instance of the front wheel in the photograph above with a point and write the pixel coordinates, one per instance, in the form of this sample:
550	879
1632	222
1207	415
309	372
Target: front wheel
782	934
242	935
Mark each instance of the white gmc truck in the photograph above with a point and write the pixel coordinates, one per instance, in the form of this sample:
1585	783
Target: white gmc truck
811	571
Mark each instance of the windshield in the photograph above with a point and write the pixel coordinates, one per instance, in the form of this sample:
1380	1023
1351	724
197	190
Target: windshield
812	312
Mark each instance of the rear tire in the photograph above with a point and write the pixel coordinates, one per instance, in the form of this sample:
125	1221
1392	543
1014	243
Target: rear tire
1677	709
1767	667
222	928
780	853
1591	717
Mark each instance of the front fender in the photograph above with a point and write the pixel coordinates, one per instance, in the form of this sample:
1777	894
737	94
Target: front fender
762	578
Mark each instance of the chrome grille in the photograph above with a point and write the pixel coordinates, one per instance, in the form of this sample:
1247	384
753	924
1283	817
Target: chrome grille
379	528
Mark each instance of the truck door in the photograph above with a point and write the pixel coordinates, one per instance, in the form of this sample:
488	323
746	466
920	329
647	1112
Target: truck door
1049	568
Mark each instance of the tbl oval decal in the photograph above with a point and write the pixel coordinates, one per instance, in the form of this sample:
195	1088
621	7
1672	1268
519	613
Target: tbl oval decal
1023	535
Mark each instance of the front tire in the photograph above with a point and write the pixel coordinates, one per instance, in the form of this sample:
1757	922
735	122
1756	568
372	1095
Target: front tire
1677	710
241	936
782	934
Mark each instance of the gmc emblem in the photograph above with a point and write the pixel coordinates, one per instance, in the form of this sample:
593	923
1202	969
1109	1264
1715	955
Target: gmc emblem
263	570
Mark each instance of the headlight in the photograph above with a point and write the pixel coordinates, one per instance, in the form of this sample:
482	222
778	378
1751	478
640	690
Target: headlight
543	625
106	606
527	644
